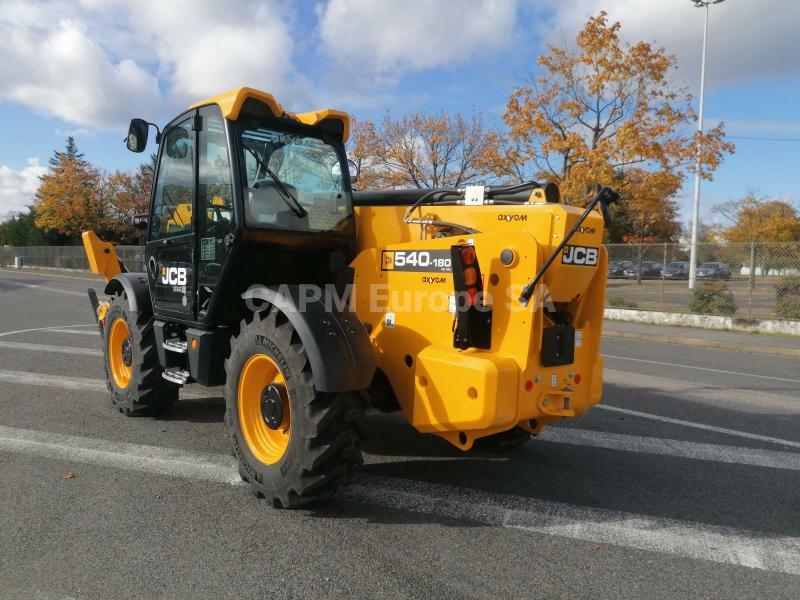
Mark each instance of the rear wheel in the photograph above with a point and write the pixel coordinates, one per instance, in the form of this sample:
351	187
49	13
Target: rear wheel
295	445
133	373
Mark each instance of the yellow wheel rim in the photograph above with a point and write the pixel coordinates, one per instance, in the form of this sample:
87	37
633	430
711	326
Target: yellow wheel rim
120	352
264	414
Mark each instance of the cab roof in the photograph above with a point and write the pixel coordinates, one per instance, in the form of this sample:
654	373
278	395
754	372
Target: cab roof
230	103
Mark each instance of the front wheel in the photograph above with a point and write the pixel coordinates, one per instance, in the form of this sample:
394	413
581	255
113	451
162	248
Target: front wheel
133	373
295	445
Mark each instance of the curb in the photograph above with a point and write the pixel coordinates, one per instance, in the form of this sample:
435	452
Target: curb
700	343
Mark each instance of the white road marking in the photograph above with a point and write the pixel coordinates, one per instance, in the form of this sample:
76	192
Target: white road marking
15	332
666	364
47	274
48	348
46	288
131	457
86	384
755	400
49	380
669	447
74	331
742	434
671	536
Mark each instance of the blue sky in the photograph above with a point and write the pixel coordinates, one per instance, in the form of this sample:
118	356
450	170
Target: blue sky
108	60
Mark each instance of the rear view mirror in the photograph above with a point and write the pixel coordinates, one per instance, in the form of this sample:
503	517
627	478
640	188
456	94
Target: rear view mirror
137	135
140	221
352	168
178	143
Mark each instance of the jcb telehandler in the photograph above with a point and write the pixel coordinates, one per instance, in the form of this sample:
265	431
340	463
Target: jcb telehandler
475	311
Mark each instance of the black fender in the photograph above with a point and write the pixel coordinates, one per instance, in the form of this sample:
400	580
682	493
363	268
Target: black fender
136	287
335	340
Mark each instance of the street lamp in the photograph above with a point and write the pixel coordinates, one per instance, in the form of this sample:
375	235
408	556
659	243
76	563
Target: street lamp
696	205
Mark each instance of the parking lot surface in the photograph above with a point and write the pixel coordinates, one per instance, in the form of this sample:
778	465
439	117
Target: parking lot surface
684	483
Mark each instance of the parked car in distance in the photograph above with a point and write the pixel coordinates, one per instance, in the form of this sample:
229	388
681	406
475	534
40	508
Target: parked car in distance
676	270
616	268
645	270
713	270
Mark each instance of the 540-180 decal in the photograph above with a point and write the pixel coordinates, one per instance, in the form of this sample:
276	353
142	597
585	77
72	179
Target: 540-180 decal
418	261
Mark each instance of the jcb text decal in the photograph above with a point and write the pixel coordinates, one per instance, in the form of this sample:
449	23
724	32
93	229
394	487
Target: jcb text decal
580	255
173	275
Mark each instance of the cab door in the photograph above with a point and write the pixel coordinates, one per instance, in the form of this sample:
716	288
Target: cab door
170	249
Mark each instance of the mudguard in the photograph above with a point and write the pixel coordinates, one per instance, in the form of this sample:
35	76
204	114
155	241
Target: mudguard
136	288
336	342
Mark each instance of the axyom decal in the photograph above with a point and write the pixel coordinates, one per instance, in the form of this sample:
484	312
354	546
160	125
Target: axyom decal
580	255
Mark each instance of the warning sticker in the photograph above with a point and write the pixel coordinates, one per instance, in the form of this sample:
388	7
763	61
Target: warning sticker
208	249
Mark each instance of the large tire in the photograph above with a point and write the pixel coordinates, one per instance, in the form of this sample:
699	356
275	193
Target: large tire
303	451
133	373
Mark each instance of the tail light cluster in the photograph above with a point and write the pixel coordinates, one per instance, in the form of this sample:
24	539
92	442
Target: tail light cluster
473	324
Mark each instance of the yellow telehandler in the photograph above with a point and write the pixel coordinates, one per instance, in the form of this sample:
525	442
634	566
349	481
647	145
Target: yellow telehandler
476	311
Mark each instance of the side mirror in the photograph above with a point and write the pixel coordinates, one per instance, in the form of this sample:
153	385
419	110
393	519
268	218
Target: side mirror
137	135
352	169
140	221
178	143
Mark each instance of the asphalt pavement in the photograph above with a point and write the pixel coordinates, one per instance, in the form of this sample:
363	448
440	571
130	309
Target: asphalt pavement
683	483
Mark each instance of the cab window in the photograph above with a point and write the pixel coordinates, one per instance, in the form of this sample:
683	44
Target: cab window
172	203
306	168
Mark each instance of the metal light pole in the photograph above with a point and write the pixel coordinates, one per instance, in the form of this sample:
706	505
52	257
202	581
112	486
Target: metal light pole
696	205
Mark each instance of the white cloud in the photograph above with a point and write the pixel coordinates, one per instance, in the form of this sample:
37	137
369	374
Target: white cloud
391	37
218	45
96	63
17	188
58	69
747	40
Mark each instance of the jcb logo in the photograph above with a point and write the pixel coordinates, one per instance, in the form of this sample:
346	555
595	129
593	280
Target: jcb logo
580	255
509	218
173	275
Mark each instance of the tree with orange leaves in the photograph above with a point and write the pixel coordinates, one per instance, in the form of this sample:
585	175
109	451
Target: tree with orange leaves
604	112
124	196
68	198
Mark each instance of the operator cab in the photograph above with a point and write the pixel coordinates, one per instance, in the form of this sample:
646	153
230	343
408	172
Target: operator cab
237	176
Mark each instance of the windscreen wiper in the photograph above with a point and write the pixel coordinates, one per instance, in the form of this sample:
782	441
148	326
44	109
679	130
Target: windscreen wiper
297	208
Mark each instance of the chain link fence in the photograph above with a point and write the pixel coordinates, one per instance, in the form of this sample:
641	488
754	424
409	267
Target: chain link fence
749	280
65	257
752	280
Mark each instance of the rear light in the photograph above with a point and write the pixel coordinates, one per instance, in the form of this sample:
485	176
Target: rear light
473	326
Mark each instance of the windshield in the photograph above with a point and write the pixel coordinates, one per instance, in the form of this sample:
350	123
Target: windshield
292	181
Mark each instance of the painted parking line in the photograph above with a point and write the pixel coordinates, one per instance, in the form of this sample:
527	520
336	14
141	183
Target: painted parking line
74	331
675	448
86	384
671	536
72	350
46	288
666	364
60	327
715	429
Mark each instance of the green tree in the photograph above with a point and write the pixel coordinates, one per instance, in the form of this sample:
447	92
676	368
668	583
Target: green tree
21	230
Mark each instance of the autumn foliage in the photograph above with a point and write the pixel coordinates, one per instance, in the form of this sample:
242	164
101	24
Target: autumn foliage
420	151
75	196
605	112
